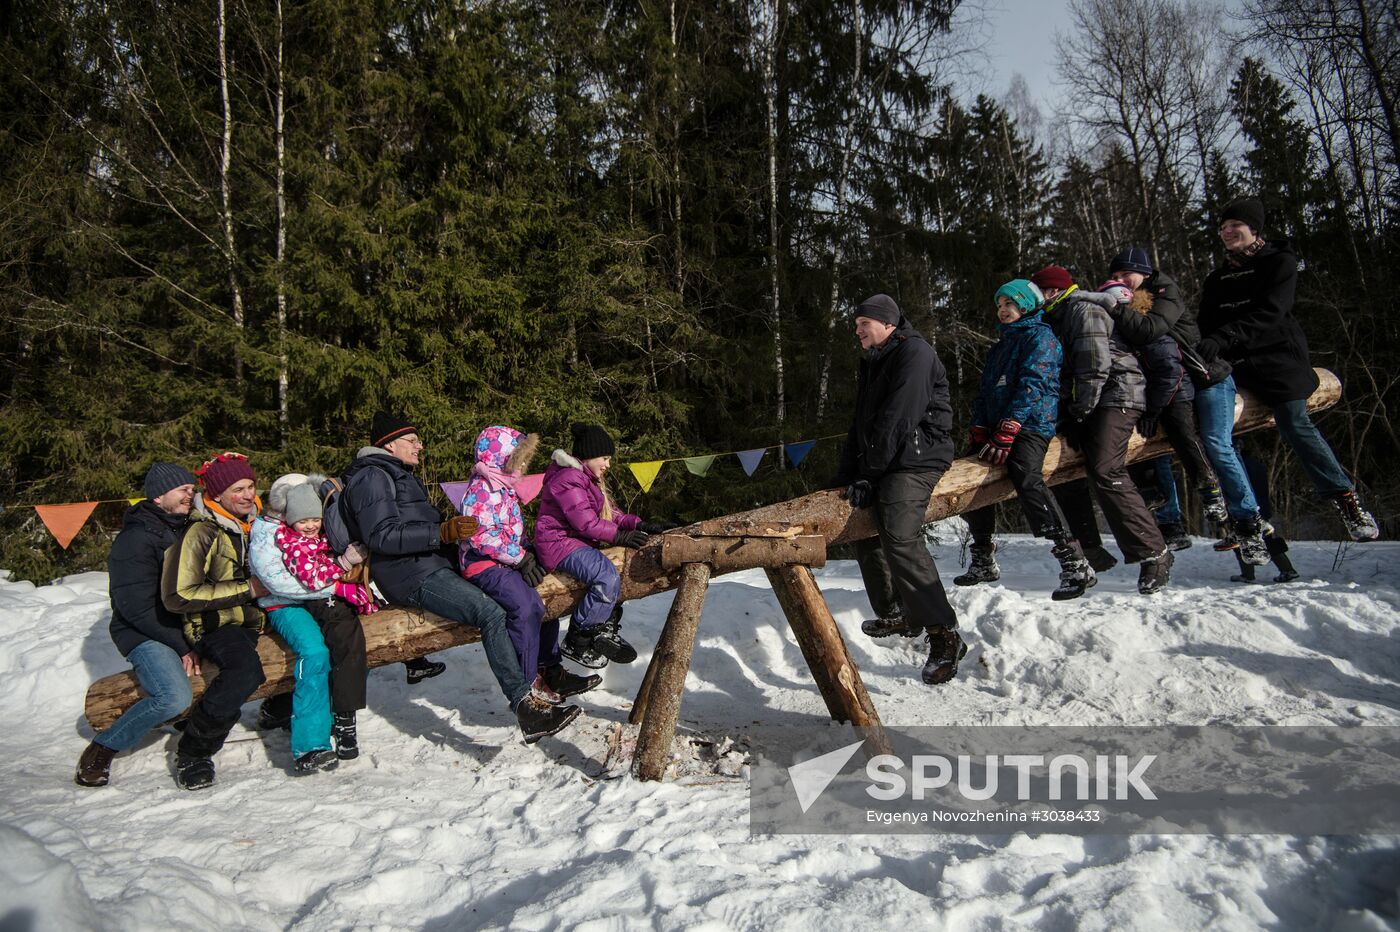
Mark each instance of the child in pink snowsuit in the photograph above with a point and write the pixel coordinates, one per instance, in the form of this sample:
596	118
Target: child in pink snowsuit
308	557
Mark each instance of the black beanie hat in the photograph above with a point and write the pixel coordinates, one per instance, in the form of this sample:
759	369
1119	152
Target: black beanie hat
880	307
386	428
1247	210
590	440
162	477
1132	259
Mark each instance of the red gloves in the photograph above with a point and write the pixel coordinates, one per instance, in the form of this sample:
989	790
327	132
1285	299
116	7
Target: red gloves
998	448
977	437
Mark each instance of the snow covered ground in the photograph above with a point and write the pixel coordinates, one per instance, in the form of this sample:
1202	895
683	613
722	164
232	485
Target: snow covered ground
447	822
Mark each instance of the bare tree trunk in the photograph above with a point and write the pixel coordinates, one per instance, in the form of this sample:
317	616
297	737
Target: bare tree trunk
225	161
677	204
279	130
770	94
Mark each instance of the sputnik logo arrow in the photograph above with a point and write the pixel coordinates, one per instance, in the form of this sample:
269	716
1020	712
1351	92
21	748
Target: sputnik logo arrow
811	777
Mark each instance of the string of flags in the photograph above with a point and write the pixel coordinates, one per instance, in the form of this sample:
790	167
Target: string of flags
64	521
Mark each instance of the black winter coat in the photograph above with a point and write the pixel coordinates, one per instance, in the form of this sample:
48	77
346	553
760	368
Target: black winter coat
1247	312
133	568
394	518
1169	315
903	420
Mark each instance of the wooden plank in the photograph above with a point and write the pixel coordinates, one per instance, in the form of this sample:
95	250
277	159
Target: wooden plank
728	554
672	663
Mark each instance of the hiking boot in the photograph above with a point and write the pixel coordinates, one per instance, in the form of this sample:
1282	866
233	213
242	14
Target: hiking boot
1213	506
315	762
542	690
1249	537
275	713
886	626
578	647
1359	523
1155	572
566	683
946	649
1100	559
347	743
421	668
1175	536
1076	575
95	766
194	773
983	567
538	718
608	640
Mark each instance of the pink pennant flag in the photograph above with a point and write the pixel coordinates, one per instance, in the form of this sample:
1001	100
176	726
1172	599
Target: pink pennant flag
454	492
528	488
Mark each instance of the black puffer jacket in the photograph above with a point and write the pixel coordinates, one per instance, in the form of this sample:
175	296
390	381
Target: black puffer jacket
133	568
394	518
904	419
1247	318
1167	315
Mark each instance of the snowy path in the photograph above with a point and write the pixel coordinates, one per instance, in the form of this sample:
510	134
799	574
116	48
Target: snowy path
447	822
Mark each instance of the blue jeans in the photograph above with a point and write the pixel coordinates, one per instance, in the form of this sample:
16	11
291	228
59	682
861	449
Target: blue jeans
1215	408
447	594
162	677
597	572
1170	513
1311	448
311	693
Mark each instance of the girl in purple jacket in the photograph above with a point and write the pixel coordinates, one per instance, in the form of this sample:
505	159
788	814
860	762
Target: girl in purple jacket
577	516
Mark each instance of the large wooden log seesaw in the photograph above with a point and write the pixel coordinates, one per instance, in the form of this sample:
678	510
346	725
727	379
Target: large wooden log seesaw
785	539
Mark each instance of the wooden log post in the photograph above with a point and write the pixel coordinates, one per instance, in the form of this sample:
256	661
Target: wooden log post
665	683
968	484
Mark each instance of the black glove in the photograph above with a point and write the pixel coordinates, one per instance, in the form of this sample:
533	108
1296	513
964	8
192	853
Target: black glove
1209	349
634	539
1147	424
1071	431
859	493
530	570
658	527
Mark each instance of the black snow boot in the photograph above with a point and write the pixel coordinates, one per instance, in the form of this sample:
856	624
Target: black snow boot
1175	536
946	650
95	766
315	762
1155	572
1249	537
194	773
578	647
1246	573
1213	505
275	713
983	567
421	668
1359	523
1100	559
1278	552
892	624
603	641
1076	575
347	743
566	683
538	718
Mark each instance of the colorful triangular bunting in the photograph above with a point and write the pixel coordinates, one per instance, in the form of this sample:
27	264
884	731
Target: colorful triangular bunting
454	492
699	465
797	452
749	459
528	488
65	521
646	472
135	501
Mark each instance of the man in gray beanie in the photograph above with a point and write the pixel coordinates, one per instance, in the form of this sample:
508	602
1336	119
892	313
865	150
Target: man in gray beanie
899	445
144	630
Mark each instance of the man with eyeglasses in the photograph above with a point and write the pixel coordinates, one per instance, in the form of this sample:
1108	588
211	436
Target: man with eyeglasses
406	535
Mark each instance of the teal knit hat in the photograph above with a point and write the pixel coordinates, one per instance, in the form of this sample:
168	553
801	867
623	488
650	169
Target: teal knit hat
1024	294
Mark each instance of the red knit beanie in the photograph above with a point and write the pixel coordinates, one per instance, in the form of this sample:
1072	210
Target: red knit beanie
223	471
1052	276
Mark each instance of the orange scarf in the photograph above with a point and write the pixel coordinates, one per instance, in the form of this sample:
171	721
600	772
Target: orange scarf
218	509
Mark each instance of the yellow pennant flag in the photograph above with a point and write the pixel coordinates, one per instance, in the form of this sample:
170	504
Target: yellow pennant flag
134	501
646	473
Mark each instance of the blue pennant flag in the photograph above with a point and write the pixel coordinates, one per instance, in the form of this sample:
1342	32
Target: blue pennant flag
749	459
796	452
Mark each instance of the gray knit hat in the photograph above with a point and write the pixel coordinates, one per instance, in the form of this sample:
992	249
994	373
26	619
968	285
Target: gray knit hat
302	503
880	307
162	477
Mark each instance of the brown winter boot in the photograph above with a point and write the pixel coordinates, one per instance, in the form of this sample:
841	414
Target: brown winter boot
95	766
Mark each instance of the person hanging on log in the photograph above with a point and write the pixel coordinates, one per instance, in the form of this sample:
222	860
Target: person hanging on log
1013	422
577	516
498	560
1152	319
1247	321
144	630
1101	400
408	537
316	610
898	446
205	578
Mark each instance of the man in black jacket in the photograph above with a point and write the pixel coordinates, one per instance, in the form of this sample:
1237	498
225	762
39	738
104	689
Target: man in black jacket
1247	320
144	630
405	534
899	445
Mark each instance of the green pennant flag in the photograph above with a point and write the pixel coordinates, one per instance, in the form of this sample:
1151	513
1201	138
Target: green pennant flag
699	465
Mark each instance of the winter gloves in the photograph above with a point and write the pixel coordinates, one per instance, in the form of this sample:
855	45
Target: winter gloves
530	570
1072	431
636	538
977	437
860	494
998	447
1209	349
456	528
1147	424
657	527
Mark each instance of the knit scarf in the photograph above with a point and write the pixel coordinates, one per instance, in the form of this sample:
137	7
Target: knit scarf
309	560
1237	258
496	478
245	526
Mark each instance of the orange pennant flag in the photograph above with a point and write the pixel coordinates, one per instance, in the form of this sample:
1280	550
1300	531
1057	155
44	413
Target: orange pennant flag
65	521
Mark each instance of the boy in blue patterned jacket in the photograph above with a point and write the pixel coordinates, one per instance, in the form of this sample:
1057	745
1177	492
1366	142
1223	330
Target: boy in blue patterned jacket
1013	421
